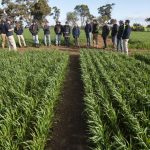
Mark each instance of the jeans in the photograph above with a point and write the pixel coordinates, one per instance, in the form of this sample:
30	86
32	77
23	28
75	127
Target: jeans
58	39
76	41
89	39
36	39
67	41
120	45
125	46
114	41
47	39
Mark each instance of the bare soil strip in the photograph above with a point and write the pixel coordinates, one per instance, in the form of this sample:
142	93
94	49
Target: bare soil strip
69	132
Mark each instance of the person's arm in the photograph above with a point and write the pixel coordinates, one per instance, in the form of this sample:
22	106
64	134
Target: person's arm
30	29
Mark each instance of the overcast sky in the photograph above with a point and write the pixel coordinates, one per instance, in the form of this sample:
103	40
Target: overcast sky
136	10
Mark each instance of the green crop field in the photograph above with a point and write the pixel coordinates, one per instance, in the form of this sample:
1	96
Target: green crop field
140	40
30	85
117	99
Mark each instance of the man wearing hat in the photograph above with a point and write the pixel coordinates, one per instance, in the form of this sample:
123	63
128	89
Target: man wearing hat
66	33
47	38
34	29
3	33
119	36
88	32
126	36
58	31
9	34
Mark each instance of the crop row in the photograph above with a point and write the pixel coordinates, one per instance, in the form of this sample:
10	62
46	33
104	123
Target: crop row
117	99
143	57
30	85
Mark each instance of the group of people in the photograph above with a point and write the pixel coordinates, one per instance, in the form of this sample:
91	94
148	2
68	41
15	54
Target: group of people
120	34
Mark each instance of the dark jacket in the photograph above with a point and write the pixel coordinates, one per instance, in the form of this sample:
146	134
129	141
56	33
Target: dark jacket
114	30
18	31
8	27
120	31
58	29
95	29
127	32
2	28
66	31
46	29
76	32
88	28
105	31
34	29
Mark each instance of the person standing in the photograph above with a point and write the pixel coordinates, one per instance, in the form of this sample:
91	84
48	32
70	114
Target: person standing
34	29
105	34
95	32
66	33
88	32
76	34
10	36
114	33
126	36
47	37
119	36
58	31
3	33
19	32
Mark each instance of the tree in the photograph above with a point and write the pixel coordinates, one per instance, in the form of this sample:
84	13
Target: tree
83	11
147	19
105	12
27	9
55	13
72	18
40	10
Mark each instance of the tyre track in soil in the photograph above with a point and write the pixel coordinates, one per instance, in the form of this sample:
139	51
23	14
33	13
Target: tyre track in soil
70	128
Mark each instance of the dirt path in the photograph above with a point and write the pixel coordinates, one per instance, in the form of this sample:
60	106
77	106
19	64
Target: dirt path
69	132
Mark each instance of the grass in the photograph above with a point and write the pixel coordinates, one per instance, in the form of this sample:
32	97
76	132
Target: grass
140	40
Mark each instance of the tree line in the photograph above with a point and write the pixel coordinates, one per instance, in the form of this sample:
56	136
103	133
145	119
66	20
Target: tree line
27	10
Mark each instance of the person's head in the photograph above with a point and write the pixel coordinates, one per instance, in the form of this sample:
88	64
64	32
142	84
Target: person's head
8	20
34	22
87	22
67	23
121	22
127	22
113	21
57	22
95	21
75	25
3	21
